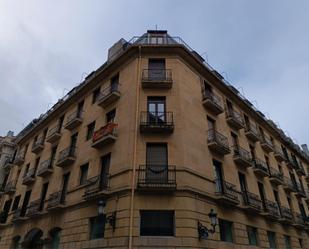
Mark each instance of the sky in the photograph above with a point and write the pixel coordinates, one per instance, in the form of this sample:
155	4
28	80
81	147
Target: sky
261	47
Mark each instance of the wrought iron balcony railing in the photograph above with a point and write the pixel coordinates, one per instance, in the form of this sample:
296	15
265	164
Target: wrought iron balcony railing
156	122
74	120
260	167
266	144
56	200
227	192
54	134
289	186
275	176
19	215
29	177
38	145
252	132
286	215
67	156
8	163
212	102
45	167
157	78
105	135
235	119
109	95
300	190
218	142
34	208
298	220
242	157
278	154
251	202
270	209
156	177
20	158
10	187
97	186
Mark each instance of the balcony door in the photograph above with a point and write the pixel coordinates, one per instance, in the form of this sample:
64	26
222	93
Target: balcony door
73	143
218	176
105	164
156	69
65	184
156	110
25	203
243	186
156	163
262	194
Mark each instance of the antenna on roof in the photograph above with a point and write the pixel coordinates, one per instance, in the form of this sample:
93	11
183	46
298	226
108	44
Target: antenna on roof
156	27
84	74
206	57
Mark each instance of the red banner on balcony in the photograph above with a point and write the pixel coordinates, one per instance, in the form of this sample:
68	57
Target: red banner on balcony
104	131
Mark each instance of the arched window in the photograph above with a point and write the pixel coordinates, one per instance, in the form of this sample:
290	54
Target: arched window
33	239
55	237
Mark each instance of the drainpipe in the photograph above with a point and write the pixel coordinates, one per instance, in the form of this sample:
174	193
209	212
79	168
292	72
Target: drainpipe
134	149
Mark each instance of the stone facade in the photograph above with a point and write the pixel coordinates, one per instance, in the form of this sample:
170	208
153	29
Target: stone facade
188	186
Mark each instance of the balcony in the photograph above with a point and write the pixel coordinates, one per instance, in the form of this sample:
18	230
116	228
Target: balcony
19	215
74	120
278	154
275	176
29	177
156	122
267	145
66	157
56	201
235	120
270	210
251	202
300	191
289	162
218	143
260	168
34	209
298	220
105	135
212	103
157	79
156	178
38	145
252	133
300	170
97	187
45	168
288	185
286	215
108	95
20	158
242	157
8	163
307	177
54	134
226	193
10	187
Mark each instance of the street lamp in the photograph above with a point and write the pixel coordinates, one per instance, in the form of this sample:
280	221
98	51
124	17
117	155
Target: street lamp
203	231
111	219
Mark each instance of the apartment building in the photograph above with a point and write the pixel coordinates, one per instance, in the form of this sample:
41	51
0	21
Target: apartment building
155	149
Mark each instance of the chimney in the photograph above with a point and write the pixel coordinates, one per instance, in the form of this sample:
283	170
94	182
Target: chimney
305	149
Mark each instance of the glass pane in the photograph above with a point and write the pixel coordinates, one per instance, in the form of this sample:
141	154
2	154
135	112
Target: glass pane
55	240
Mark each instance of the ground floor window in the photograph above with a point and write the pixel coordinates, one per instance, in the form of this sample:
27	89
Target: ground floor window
97	227
226	230
272	240
157	223
55	239
287	241
252	235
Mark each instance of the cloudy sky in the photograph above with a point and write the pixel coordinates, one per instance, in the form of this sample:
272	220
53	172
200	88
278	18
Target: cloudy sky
47	47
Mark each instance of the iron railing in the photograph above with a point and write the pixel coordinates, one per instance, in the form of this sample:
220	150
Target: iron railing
300	189
157	119
261	165
278	151
18	213
34	208
39	142
10	186
251	127
56	199
216	137
275	173
235	116
20	158
113	88
242	153
158	75
108	129
156	176
286	213
251	200
67	152
215	99
8	161
29	175
226	189
74	115
53	131
45	165
97	183
298	218
267	141
271	207
288	182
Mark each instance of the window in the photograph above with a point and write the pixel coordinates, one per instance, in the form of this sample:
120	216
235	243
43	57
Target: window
211	123
65	184
272	240
16	202
226	230
55	238
61	119
97	227
80	107
37	161
95	95
16	242
287	241
43	196
25	203
300	242
26	169
90	130
157	223
83	174
207	87
252	235
262	194
45	134
5	211
235	140
218	176
110	116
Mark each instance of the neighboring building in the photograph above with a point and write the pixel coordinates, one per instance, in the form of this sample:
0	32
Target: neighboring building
138	154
